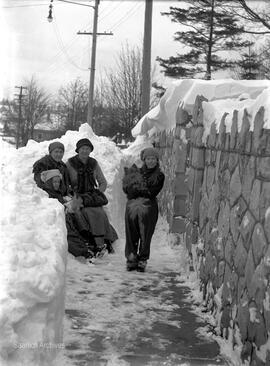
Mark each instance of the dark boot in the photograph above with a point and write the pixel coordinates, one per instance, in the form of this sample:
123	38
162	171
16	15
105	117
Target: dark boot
141	266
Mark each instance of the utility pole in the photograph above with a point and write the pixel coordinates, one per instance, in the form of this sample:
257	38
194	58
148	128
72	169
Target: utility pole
20	96
93	62
93	54
146	63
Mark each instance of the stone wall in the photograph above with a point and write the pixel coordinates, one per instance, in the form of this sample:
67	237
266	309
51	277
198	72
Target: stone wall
173	152
221	199
218	193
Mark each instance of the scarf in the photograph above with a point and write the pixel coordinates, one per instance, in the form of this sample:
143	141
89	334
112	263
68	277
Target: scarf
151	175
86	179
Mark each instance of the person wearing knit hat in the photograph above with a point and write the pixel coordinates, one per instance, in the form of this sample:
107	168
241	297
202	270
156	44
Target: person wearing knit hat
48	174
56	145
88	181
149	151
141	186
84	142
51	162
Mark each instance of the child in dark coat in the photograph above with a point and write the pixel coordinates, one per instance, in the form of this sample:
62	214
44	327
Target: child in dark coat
141	186
52	183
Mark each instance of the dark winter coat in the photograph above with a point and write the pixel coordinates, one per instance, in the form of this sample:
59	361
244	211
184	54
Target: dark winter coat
142	182
48	163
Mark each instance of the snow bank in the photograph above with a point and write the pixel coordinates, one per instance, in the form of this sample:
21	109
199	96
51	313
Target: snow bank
213	111
34	250
184	92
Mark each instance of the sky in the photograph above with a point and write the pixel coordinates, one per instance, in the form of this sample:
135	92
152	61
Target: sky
56	55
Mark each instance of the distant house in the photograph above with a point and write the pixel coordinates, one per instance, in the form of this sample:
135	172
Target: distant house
48	129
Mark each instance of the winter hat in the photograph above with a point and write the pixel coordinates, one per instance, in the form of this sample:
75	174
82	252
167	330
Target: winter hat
48	174
149	151
56	145
84	142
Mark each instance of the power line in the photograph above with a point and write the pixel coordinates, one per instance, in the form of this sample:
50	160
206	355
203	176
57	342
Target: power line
23	6
123	19
62	46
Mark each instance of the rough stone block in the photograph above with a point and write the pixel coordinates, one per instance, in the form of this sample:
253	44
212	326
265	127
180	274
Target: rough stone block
240	288
245	126
259	243
197	115
266	309
264	200
258	129
233	161
180	186
214	202
204	203
181	159
267	225
229	251
258	287
249	271
235	187
248	176
198	158
234	130
224	219
220	273
224	182
242	318
249	139
196	195
255	198
198	136
240	258
210	178
246	229
178	225
257	330
263	168
222	132
179	206
211	142
225	317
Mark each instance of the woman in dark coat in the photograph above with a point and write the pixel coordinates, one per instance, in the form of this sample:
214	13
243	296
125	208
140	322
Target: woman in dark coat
45	172
52	161
141	186
87	181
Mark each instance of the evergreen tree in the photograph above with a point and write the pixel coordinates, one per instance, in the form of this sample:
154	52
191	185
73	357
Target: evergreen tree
249	65
209	32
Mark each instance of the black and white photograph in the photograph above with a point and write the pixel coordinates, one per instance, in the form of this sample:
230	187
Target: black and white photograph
135	183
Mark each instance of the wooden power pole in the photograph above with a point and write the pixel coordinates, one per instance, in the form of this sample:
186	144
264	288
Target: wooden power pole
18	132
93	62
146	63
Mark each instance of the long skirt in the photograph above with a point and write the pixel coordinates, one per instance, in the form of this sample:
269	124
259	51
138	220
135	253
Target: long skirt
95	221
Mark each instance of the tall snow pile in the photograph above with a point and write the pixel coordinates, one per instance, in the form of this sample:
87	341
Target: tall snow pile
183	93
34	250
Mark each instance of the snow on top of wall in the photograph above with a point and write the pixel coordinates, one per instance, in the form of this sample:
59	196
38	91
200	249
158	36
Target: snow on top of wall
213	111
33	246
183	93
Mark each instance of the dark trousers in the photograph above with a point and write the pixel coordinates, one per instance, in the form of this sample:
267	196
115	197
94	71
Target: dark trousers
140	221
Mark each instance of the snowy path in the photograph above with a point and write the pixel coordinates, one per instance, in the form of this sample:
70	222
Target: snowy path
114	317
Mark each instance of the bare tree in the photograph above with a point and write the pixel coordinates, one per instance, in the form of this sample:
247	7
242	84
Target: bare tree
72	101
35	107
123	88
260	17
